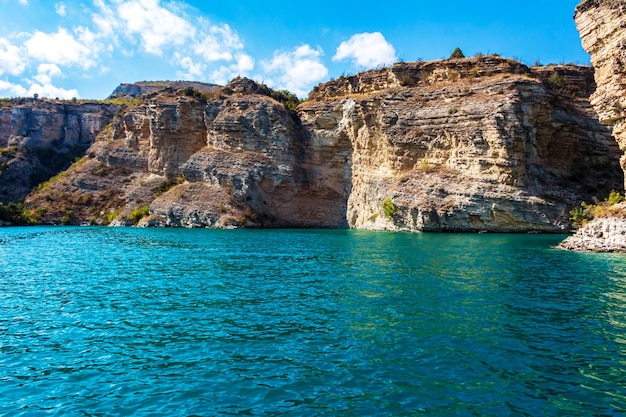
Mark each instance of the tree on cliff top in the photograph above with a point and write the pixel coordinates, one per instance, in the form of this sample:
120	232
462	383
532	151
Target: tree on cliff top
457	53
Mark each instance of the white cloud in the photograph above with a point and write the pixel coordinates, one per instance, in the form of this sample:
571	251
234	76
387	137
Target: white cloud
106	20
367	50
11	61
219	44
156	26
46	72
193	70
60	9
298	71
12	90
49	90
243	65
63	48
24	2
40	84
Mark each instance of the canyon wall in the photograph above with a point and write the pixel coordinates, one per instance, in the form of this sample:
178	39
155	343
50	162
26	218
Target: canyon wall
477	144
40	138
601	24
602	27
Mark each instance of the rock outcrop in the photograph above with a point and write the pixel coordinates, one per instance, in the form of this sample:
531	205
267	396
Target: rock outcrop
602	27
479	144
605	234
40	138
601	24
141	88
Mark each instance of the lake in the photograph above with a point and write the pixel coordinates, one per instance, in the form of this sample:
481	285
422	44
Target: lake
177	322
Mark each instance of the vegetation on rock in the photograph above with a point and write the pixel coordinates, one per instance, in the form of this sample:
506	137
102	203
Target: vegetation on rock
16	214
389	208
139	213
586	212
457	53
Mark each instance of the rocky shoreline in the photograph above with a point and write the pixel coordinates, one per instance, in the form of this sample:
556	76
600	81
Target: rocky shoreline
606	234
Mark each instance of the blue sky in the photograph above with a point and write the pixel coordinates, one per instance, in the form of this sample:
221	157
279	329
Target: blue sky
85	48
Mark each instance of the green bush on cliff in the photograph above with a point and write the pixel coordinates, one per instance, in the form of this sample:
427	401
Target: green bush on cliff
586	212
67	216
457	53
389	208
16	214
614	198
286	97
139	213
556	79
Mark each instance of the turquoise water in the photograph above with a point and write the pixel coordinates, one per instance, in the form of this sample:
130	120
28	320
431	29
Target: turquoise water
108	322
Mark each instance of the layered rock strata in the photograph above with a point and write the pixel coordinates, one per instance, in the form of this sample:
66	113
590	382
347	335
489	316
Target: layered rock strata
480	144
40	138
602	24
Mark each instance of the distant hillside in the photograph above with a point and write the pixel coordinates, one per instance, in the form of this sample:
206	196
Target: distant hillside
148	87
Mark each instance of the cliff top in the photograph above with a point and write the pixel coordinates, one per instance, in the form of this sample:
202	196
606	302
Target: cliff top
134	90
586	5
571	80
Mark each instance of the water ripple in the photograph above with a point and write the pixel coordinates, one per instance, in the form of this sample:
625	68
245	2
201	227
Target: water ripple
97	321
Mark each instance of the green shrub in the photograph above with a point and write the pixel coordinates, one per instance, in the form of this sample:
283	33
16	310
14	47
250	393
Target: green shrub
389	208
556	79
139	213
580	215
614	198
586	212
457	53
67	217
113	215
8	152
16	214
287	98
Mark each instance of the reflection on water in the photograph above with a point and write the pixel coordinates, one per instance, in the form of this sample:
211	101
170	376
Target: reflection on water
304	322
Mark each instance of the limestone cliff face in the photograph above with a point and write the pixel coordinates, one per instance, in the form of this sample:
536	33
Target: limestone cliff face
235	158
601	25
40	138
465	145
142	88
481	144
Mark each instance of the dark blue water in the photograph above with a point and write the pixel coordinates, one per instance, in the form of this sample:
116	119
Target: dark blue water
107	322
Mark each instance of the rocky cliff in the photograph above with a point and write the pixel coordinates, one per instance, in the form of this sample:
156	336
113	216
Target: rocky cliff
141	88
466	145
40	138
479	144
602	27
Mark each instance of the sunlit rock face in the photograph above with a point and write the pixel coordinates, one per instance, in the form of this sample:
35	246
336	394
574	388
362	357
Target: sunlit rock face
478	144
466	145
